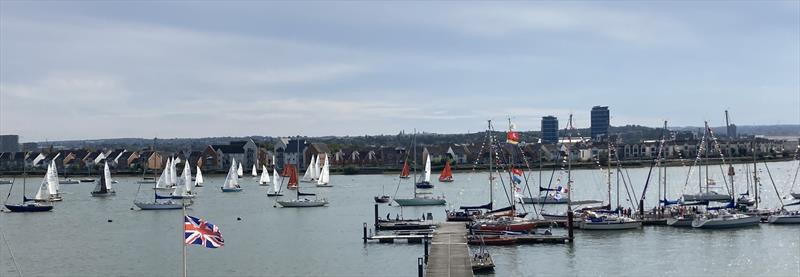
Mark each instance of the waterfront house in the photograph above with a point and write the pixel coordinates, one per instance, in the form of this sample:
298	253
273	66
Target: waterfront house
245	152
316	149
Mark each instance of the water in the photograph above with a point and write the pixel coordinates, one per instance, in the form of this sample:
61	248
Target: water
76	239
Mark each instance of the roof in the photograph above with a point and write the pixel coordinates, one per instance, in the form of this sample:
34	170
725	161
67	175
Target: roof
292	146
320	147
229	149
4	156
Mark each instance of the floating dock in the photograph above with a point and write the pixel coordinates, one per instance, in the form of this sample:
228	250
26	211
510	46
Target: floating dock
449	253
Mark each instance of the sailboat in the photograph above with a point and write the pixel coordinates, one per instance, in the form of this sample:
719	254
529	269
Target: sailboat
163	182
426	182
161	202
276	184
27	204
301	202
708	195
406	172
173	173
447	173
312	173
255	172
49	189
419	200
288	171
324	179
184	188
232	180
198	178
240	171
264	180
103	186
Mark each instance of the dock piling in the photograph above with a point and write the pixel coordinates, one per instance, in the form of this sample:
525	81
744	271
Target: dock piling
426	241
375	217
365	232
569	225
419	267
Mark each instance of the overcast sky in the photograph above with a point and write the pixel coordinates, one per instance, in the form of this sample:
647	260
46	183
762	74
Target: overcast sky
73	70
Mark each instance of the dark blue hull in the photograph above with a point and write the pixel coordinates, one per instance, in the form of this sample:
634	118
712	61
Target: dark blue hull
28	208
424	185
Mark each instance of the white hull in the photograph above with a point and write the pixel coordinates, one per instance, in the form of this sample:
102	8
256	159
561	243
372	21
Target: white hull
159	206
796	195
610	225
784	219
724	223
302	203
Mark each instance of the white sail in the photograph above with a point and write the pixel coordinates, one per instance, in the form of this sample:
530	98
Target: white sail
232	180
309	175
325	174
198	179
240	171
428	169
316	170
276	181
43	192
52	179
186	175
107	175
173	173
163	180
264	176
255	172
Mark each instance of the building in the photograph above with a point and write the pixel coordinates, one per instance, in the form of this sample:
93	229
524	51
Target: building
288	152
549	129
9	143
600	119
30	146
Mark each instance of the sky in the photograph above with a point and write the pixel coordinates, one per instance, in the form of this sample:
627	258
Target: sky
92	69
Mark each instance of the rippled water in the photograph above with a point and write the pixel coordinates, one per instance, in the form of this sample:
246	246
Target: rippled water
76	239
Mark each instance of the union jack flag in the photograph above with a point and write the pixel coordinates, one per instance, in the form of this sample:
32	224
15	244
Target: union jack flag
201	232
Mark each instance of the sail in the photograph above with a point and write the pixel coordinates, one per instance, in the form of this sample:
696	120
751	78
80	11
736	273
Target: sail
240	172
52	179
186	176
316	172
292	177
428	169
406	170
325	174
43	193
276	180
232	180
255	172
173	173
447	172
309	175
163	180
264	175
107	175
198	179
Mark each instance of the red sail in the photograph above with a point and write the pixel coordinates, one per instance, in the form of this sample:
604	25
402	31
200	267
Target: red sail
406	170
292	184
447	173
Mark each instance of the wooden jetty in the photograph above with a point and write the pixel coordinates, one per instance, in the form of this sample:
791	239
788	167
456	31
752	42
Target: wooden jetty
409	236
449	253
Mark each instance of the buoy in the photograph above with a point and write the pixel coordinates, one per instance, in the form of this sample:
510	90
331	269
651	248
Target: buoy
238	218
131	208
110	220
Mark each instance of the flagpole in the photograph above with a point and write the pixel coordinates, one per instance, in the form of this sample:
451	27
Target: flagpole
183	235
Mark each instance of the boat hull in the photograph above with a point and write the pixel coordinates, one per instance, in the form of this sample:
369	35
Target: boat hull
6	182
545	200
680	221
611	225
424	185
796	195
275	194
303	204
103	194
726	224
231	189
159	206
28	208
382	199
324	185
706	197
784	219
420	202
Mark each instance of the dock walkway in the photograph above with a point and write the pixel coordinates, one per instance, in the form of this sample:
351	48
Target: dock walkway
449	254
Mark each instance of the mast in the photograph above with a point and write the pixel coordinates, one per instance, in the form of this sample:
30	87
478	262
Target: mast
297	162
569	169
664	160
491	156
414	144
706	154
608	179
755	175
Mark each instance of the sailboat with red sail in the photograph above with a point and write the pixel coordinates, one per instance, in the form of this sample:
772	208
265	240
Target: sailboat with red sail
405	174
447	173
292	174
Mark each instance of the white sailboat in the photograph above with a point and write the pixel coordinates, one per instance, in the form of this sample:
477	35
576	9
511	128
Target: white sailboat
419	200
240	171
255	172
723	220
276	184
103	186
48	190
198	178
426	181
264	176
310	175
173	173
163	182
232	180
325	174
184	187
610	220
